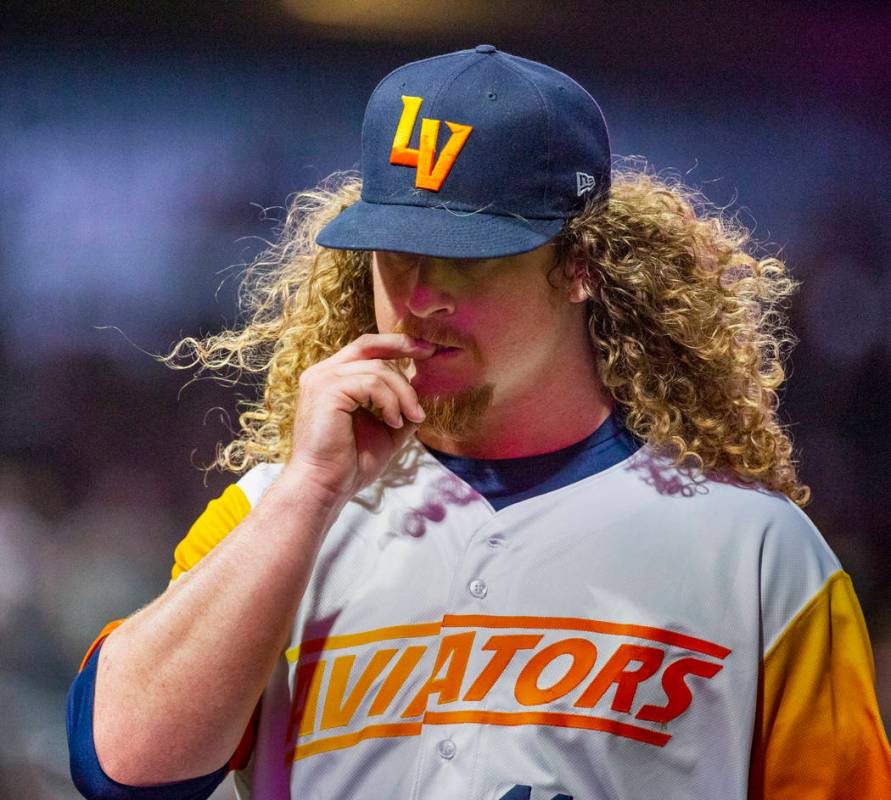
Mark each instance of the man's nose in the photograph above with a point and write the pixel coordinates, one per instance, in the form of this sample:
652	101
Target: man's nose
430	288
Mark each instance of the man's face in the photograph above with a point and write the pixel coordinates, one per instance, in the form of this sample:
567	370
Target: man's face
501	322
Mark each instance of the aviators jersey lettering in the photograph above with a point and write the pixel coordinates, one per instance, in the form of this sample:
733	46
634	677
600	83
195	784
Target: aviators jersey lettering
636	633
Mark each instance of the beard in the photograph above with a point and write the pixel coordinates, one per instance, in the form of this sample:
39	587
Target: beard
458	415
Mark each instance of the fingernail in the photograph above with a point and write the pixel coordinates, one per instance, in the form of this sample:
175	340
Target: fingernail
424	343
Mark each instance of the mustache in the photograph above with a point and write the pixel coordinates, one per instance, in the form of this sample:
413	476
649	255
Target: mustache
433	331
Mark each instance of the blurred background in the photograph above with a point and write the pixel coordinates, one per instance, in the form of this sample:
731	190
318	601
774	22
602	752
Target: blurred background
146	151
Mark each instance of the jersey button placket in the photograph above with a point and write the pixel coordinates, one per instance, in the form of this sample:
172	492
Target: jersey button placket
446	749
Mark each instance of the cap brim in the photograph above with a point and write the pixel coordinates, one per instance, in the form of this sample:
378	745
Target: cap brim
433	231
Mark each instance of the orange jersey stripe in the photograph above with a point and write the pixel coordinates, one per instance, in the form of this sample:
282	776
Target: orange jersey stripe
366	637
481	718
547	718
349	739
486	621
591	626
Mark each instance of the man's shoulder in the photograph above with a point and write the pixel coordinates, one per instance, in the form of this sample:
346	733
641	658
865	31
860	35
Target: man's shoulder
662	475
722	496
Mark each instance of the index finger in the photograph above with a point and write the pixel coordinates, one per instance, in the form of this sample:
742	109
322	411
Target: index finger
384	345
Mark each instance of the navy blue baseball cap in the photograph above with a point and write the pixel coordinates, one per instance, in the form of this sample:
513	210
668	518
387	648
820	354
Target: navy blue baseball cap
473	154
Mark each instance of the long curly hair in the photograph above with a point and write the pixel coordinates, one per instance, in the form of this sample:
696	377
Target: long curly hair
687	325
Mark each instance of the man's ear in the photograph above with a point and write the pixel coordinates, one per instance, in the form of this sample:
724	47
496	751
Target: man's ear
576	272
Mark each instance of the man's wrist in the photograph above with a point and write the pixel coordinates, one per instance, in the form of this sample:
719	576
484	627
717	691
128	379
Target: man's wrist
297	486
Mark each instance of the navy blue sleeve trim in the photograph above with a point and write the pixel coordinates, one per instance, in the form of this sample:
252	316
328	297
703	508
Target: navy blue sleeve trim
86	772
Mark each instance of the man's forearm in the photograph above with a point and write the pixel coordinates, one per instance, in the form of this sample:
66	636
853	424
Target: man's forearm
178	681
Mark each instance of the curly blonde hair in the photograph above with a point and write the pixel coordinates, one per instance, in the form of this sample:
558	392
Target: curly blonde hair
687	326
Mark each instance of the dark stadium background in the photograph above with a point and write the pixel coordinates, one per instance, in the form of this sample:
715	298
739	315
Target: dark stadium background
140	142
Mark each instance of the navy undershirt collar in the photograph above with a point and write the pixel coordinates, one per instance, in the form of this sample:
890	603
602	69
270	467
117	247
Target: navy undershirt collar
504	481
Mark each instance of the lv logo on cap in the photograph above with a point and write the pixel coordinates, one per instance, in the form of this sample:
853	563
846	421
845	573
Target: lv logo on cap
430	171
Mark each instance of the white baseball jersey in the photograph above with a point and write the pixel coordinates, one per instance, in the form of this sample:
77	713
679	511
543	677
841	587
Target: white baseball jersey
639	633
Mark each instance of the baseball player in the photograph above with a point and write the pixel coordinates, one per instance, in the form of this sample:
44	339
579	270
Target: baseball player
516	519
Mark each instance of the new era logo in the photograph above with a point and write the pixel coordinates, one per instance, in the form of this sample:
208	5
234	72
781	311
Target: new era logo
584	183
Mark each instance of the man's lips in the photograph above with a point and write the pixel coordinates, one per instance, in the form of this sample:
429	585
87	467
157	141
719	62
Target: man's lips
442	348
445	352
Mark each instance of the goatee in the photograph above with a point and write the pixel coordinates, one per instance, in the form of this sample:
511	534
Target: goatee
457	416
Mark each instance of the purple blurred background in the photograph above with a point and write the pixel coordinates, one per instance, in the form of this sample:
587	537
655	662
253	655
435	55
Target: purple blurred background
141	142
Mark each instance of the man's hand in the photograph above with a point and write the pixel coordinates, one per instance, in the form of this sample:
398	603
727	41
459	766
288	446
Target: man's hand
337	440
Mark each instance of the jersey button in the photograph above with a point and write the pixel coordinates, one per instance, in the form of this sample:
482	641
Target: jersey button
478	588
447	749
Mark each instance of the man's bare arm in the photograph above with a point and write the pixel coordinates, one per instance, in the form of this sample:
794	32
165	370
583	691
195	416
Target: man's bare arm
178	681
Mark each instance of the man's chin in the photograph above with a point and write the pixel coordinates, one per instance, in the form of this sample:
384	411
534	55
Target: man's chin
456	415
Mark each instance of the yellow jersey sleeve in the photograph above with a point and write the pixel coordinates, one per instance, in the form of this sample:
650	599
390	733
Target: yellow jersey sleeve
214	524
818	732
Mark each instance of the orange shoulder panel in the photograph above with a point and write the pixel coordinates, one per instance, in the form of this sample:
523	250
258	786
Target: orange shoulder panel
818	732
98	640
